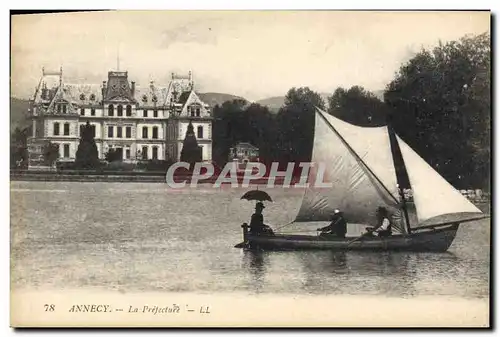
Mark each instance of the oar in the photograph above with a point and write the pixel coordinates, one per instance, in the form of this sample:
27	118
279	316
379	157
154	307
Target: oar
358	238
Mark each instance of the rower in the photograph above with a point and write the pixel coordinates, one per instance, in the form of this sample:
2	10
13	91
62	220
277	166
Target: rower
384	225
337	227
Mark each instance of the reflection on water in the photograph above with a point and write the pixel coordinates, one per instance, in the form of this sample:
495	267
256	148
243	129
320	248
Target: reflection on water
255	262
108	236
387	273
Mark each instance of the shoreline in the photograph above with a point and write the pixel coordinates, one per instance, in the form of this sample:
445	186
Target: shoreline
150	177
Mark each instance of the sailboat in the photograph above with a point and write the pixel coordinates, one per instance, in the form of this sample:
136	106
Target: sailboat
361	167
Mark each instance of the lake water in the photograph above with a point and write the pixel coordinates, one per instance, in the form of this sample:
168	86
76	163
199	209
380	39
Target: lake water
137	237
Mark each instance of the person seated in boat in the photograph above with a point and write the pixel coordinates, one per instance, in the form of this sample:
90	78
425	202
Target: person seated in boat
337	227
257	226
384	225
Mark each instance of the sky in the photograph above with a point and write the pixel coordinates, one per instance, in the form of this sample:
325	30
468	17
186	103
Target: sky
255	55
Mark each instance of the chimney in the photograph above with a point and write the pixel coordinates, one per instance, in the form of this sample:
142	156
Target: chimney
44	91
132	88
104	89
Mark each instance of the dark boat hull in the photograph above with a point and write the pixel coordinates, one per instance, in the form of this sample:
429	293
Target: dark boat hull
430	240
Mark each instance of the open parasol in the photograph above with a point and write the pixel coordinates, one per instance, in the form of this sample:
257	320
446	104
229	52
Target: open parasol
256	195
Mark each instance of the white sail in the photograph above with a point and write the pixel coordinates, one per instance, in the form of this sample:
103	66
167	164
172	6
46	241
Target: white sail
435	199
356	191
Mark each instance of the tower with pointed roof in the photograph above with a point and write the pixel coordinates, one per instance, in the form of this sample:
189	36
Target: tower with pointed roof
188	109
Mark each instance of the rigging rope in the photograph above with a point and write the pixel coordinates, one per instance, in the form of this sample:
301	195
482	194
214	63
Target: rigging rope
283	226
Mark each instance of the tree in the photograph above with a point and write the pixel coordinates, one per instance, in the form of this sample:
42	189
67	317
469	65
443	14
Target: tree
19	148
357	106
238	121
191	153
261	131
226	128
50	153
86	155
112	155
440	102
295	122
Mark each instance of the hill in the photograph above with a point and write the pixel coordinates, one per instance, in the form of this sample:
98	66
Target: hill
273	103
276	102
214	98
18	113
379	94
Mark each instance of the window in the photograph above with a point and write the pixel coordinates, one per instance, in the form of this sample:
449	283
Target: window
66	150
56	129
144	98
145	152
191	111
92	111
129	110
119	132
111	110
155	132
92	97
127	153
145	113
93	130
197	112
110	132
128	132
82	97
82	112
155	152
200	132
144	132
64	108
59	108
155	113
119	111
66	129
155	99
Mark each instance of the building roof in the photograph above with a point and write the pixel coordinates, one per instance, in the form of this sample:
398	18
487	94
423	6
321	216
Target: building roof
87	94
177	91
184	97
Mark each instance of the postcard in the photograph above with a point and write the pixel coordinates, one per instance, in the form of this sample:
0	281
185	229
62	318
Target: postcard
250	169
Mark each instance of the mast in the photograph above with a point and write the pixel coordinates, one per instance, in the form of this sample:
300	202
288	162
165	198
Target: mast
356	155
396	152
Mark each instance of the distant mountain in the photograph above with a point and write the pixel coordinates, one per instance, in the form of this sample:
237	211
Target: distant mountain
379	94
276	102
214	98
272	103
19	113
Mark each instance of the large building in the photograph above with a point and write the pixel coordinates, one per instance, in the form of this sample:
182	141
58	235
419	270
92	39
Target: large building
140	123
